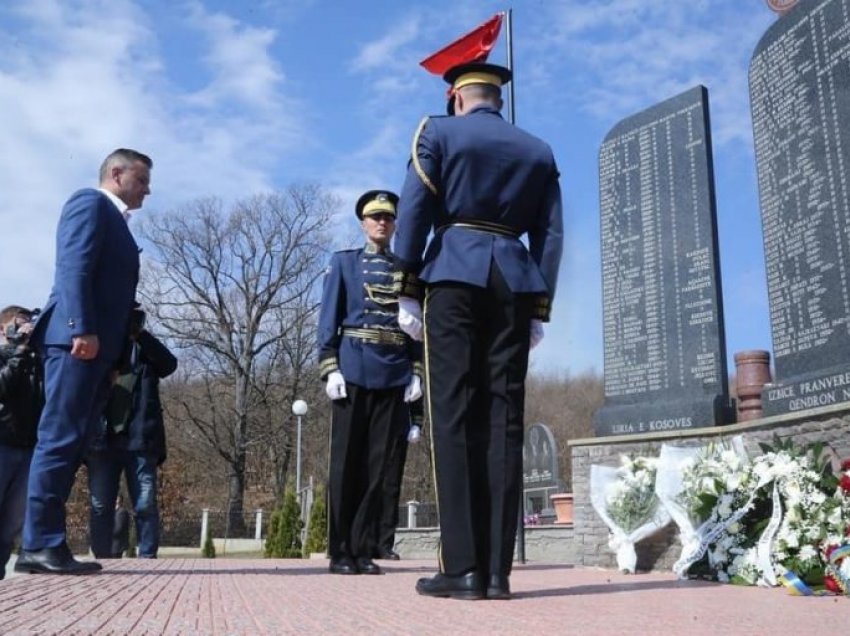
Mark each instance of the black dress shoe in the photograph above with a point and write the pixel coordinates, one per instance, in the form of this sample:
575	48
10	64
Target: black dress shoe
342	565
365	565
58	560
498	587
466	586
387	554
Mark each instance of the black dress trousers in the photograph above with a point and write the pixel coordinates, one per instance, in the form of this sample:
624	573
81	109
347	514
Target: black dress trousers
361	431
477	343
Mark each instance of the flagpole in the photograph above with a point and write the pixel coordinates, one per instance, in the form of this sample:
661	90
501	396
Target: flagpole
510	46
509	41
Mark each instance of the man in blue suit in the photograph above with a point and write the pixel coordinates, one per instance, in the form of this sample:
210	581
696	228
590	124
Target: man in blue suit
480	184
82	332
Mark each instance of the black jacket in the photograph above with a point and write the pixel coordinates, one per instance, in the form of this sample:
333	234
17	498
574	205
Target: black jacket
21	395
151	360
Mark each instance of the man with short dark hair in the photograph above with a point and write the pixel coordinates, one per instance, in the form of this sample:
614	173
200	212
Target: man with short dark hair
480	184
82	333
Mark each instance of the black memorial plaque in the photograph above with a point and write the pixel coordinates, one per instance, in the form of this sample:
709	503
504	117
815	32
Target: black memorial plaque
800	99
665	356
540	474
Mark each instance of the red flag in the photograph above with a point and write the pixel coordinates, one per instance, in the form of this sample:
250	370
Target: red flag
473	47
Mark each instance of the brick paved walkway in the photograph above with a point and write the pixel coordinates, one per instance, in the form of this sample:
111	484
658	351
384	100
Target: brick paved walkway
233	596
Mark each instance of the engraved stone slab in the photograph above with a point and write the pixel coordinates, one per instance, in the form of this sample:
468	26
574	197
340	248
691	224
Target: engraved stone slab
800	99
540	474
665	353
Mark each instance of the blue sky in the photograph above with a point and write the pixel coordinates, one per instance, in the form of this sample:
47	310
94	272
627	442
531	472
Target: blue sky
232	98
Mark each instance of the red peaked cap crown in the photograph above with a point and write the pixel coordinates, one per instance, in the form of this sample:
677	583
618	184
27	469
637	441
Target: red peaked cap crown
473	47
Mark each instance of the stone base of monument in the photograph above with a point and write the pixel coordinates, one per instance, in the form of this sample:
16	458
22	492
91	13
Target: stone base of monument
829	424
663	414
826	387
543	543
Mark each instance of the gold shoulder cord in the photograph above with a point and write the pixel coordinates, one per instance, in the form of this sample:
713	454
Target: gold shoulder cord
415	158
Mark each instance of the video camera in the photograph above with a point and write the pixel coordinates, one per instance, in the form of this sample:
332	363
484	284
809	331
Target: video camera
15	335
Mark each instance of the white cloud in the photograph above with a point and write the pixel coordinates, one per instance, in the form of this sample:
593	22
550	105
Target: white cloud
78	79
383	53
626	55
238	58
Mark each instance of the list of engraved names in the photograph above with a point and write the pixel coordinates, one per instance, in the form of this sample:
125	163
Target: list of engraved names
801	106
659	292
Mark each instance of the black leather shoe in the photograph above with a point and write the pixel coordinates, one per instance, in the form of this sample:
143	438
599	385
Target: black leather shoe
498	587
387	554
58	560
365	565
466	586
342	565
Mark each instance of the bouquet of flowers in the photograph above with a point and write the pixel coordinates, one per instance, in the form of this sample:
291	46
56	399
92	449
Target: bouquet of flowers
624	498
784	517
807	547
706	490
835	550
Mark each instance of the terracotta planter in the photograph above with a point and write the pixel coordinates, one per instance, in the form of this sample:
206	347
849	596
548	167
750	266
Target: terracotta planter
563	504
752	373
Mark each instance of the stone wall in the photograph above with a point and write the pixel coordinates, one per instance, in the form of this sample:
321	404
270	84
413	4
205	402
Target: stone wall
830	425
543	543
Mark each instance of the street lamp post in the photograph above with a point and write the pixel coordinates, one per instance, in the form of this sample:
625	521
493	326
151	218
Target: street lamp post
299	409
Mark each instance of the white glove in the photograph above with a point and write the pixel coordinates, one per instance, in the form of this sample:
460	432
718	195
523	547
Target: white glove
536	334
415	434
335	388
410	317
413	390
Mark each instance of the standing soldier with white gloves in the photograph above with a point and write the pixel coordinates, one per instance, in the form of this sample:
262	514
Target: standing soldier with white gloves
372	371
476	185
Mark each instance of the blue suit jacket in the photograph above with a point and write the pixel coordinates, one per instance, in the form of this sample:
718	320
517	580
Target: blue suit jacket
480	169
97	270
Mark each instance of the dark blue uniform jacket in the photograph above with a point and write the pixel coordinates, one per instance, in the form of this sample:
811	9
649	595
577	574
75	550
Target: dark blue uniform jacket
480	170
360	297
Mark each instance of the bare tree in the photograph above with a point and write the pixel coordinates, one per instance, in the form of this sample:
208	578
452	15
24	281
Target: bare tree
566	404
235	291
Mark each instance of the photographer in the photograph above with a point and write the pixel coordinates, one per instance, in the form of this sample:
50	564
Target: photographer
21	401
130	439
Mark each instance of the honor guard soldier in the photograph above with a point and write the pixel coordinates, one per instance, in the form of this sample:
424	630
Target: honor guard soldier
372	370
480	184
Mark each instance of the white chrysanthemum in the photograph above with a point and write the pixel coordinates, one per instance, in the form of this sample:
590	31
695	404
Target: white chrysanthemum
808	552
787	536
784	465
792	515
835	517
724	506
763	472
817	497
733	481
793	492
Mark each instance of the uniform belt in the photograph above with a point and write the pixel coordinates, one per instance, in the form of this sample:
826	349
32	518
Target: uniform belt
375	336
483	226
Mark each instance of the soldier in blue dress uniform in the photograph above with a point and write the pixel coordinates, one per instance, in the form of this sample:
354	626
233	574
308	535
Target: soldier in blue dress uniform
372	370
479	184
